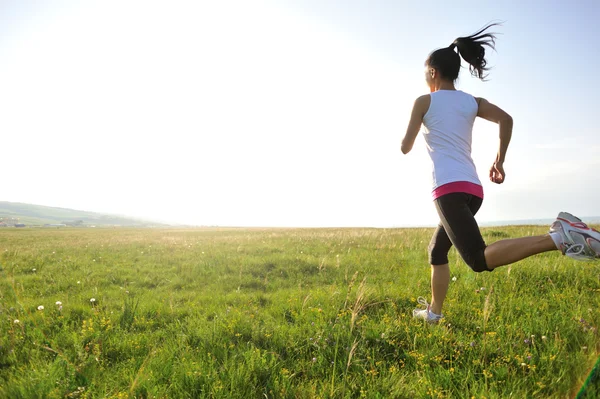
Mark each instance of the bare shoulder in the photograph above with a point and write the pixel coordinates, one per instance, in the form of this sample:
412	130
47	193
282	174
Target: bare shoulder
480	100
424	99
491	112
422	104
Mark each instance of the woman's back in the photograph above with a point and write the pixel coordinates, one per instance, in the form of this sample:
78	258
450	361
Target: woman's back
448	134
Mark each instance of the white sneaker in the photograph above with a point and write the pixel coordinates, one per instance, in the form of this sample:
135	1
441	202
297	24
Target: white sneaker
578	240
426	314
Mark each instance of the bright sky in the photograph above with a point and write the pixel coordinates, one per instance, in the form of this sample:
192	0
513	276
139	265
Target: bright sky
285	113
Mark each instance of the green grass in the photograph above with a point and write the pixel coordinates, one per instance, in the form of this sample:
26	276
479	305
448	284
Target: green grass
278	313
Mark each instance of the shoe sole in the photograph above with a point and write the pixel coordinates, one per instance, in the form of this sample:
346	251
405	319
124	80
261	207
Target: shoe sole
595	245
584	235
590	244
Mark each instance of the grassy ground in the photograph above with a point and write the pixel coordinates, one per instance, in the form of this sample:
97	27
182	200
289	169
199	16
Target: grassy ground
284	313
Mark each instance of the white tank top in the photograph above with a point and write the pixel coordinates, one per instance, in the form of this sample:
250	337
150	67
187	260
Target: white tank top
448	134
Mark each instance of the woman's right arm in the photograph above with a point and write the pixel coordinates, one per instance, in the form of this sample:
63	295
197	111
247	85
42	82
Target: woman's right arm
419	110
495	114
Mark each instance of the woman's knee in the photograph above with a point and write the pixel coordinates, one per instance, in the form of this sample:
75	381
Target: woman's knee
476	261
437	255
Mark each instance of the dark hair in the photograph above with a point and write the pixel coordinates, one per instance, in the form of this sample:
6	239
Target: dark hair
471	48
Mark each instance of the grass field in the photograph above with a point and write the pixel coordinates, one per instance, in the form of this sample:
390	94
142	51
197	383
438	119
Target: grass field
277	313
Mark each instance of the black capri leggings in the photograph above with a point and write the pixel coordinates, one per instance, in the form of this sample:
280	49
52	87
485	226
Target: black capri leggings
458	227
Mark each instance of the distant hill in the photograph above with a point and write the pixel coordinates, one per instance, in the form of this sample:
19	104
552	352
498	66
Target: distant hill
38	215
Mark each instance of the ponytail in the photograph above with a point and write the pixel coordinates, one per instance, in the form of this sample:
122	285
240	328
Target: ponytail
471	48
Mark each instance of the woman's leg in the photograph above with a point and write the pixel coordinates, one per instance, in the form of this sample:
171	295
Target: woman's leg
440	271
509	251
440	280
568	234
459	228
457	213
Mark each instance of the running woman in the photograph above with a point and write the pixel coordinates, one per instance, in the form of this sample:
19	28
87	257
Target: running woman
448	115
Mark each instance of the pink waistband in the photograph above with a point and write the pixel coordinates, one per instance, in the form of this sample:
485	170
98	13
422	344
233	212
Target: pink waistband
458	187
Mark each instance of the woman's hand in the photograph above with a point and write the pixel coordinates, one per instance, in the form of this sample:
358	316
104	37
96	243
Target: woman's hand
497	174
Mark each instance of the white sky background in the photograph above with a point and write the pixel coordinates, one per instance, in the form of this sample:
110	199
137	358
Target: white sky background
244	113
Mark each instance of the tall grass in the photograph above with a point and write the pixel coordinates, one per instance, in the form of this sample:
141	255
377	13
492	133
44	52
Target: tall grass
276	313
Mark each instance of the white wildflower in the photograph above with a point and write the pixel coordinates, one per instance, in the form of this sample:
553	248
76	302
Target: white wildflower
17	321
93	300
41	307
454	278
58	303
